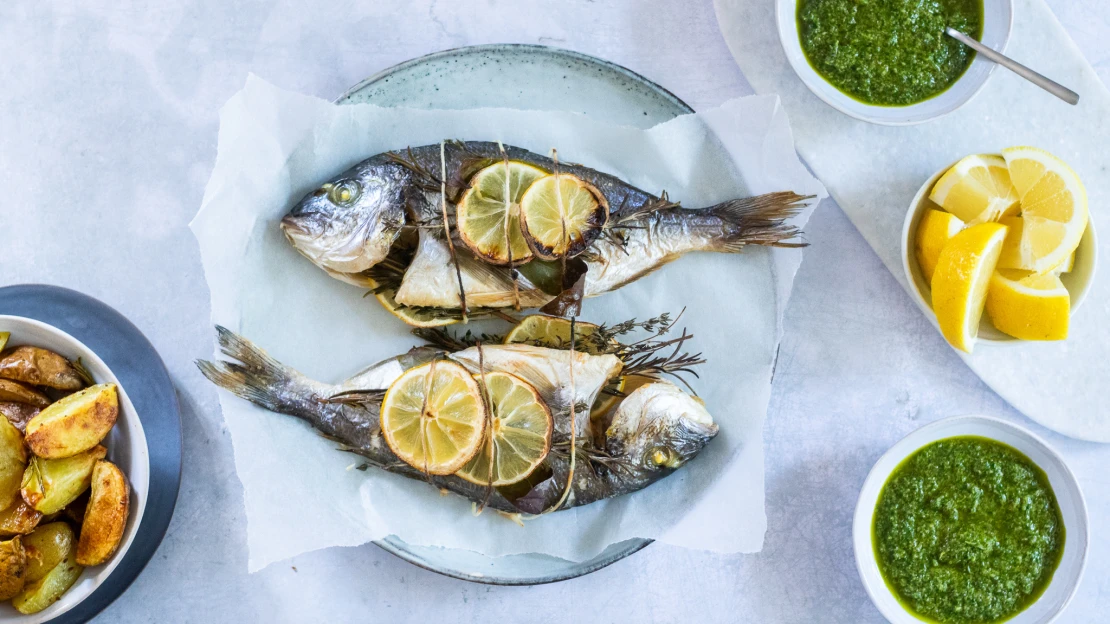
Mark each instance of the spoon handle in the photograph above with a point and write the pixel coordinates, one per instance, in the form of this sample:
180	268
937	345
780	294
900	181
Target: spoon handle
1053	87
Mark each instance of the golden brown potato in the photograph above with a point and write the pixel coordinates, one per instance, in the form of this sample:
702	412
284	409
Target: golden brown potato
75	423
106	515
16	392
19	519
40	367
46	547
13	568
40	594
18	414
4	339
51	484
13	462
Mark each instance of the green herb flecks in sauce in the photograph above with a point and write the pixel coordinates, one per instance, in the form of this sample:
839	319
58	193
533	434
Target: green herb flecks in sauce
967	530
888	52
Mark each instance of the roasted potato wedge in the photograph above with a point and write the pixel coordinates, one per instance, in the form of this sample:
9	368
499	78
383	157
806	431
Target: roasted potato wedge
19	519
106	515
46	547
18	414
40	594
51	484
16	392
40	367
4	339
13	462
75	423
13	567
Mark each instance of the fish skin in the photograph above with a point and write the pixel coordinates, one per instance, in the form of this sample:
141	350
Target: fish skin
648	440
345	240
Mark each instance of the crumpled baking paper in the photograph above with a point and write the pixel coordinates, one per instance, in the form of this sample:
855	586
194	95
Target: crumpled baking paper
300	492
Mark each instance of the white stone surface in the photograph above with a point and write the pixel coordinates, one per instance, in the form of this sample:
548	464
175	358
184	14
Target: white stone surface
107	135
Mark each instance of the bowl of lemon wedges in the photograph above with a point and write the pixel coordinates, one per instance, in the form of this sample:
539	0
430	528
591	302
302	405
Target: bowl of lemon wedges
999	248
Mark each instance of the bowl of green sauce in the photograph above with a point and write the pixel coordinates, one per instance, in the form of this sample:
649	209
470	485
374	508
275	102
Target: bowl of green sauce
888	61
971	520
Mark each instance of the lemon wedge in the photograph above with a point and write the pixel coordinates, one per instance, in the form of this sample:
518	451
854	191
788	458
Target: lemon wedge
561	214
520	433
1053	211
977	190
934	231
553	332
1066	266
960	283
488	213
433	417
1029	306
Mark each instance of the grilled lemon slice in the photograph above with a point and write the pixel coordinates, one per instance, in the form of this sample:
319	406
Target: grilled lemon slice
554	332
433	417
561	214
520	434
415	317
488	214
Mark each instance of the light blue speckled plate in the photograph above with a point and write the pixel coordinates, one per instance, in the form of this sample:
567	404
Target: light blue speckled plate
524	77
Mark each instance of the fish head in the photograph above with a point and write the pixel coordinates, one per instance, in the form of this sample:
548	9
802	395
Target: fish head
349	224
658	428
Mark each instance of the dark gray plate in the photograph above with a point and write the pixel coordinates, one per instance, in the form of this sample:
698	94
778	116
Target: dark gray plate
526	77
139	368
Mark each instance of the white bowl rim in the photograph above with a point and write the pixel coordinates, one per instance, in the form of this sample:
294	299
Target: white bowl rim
863	116
104	570
861	510
1089	242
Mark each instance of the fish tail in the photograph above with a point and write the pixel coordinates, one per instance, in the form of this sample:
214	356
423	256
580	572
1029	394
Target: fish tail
257	377
759	220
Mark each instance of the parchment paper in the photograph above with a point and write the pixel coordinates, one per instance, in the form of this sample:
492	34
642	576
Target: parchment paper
874	171
300	494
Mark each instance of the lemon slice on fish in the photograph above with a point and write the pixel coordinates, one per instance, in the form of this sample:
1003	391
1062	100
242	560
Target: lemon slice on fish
553	332
433	417
415	317
561	214
489	223
520	433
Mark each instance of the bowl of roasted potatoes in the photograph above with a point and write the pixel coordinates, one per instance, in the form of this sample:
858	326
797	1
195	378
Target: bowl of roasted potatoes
74	471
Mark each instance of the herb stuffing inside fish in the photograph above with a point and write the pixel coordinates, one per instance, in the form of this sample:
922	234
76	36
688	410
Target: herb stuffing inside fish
523	229
642	436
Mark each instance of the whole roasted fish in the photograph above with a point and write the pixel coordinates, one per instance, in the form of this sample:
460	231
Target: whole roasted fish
352	225
649	434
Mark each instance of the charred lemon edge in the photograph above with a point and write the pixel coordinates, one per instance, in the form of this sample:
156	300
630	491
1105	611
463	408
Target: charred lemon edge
461	212
597	220
487	437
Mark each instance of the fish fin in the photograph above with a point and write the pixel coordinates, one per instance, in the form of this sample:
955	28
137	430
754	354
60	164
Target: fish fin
759	220
258	378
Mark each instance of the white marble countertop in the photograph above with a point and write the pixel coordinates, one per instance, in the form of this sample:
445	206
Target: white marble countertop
107	137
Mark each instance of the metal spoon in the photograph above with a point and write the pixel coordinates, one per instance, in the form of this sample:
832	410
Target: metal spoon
1053	87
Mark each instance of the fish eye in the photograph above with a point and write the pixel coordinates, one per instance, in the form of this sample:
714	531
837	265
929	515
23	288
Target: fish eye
345	192
663	456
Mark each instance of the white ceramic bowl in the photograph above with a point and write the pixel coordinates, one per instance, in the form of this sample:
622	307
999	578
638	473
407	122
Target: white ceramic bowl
998	18
126	448
1068	495
1078	281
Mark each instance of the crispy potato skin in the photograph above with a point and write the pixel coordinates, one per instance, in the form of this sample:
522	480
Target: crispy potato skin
13	568
18	414
51	484
13	461
15	392
105	516
40	367
19	519
75	423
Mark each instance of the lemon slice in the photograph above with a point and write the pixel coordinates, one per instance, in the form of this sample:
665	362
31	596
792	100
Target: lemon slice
961	279
1053	211
490	225
553	332
1029	306
561	214
520	434
433	417
934	231
415	317
977	190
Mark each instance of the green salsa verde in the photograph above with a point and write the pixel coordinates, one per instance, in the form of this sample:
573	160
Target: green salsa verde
888	52
967	530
